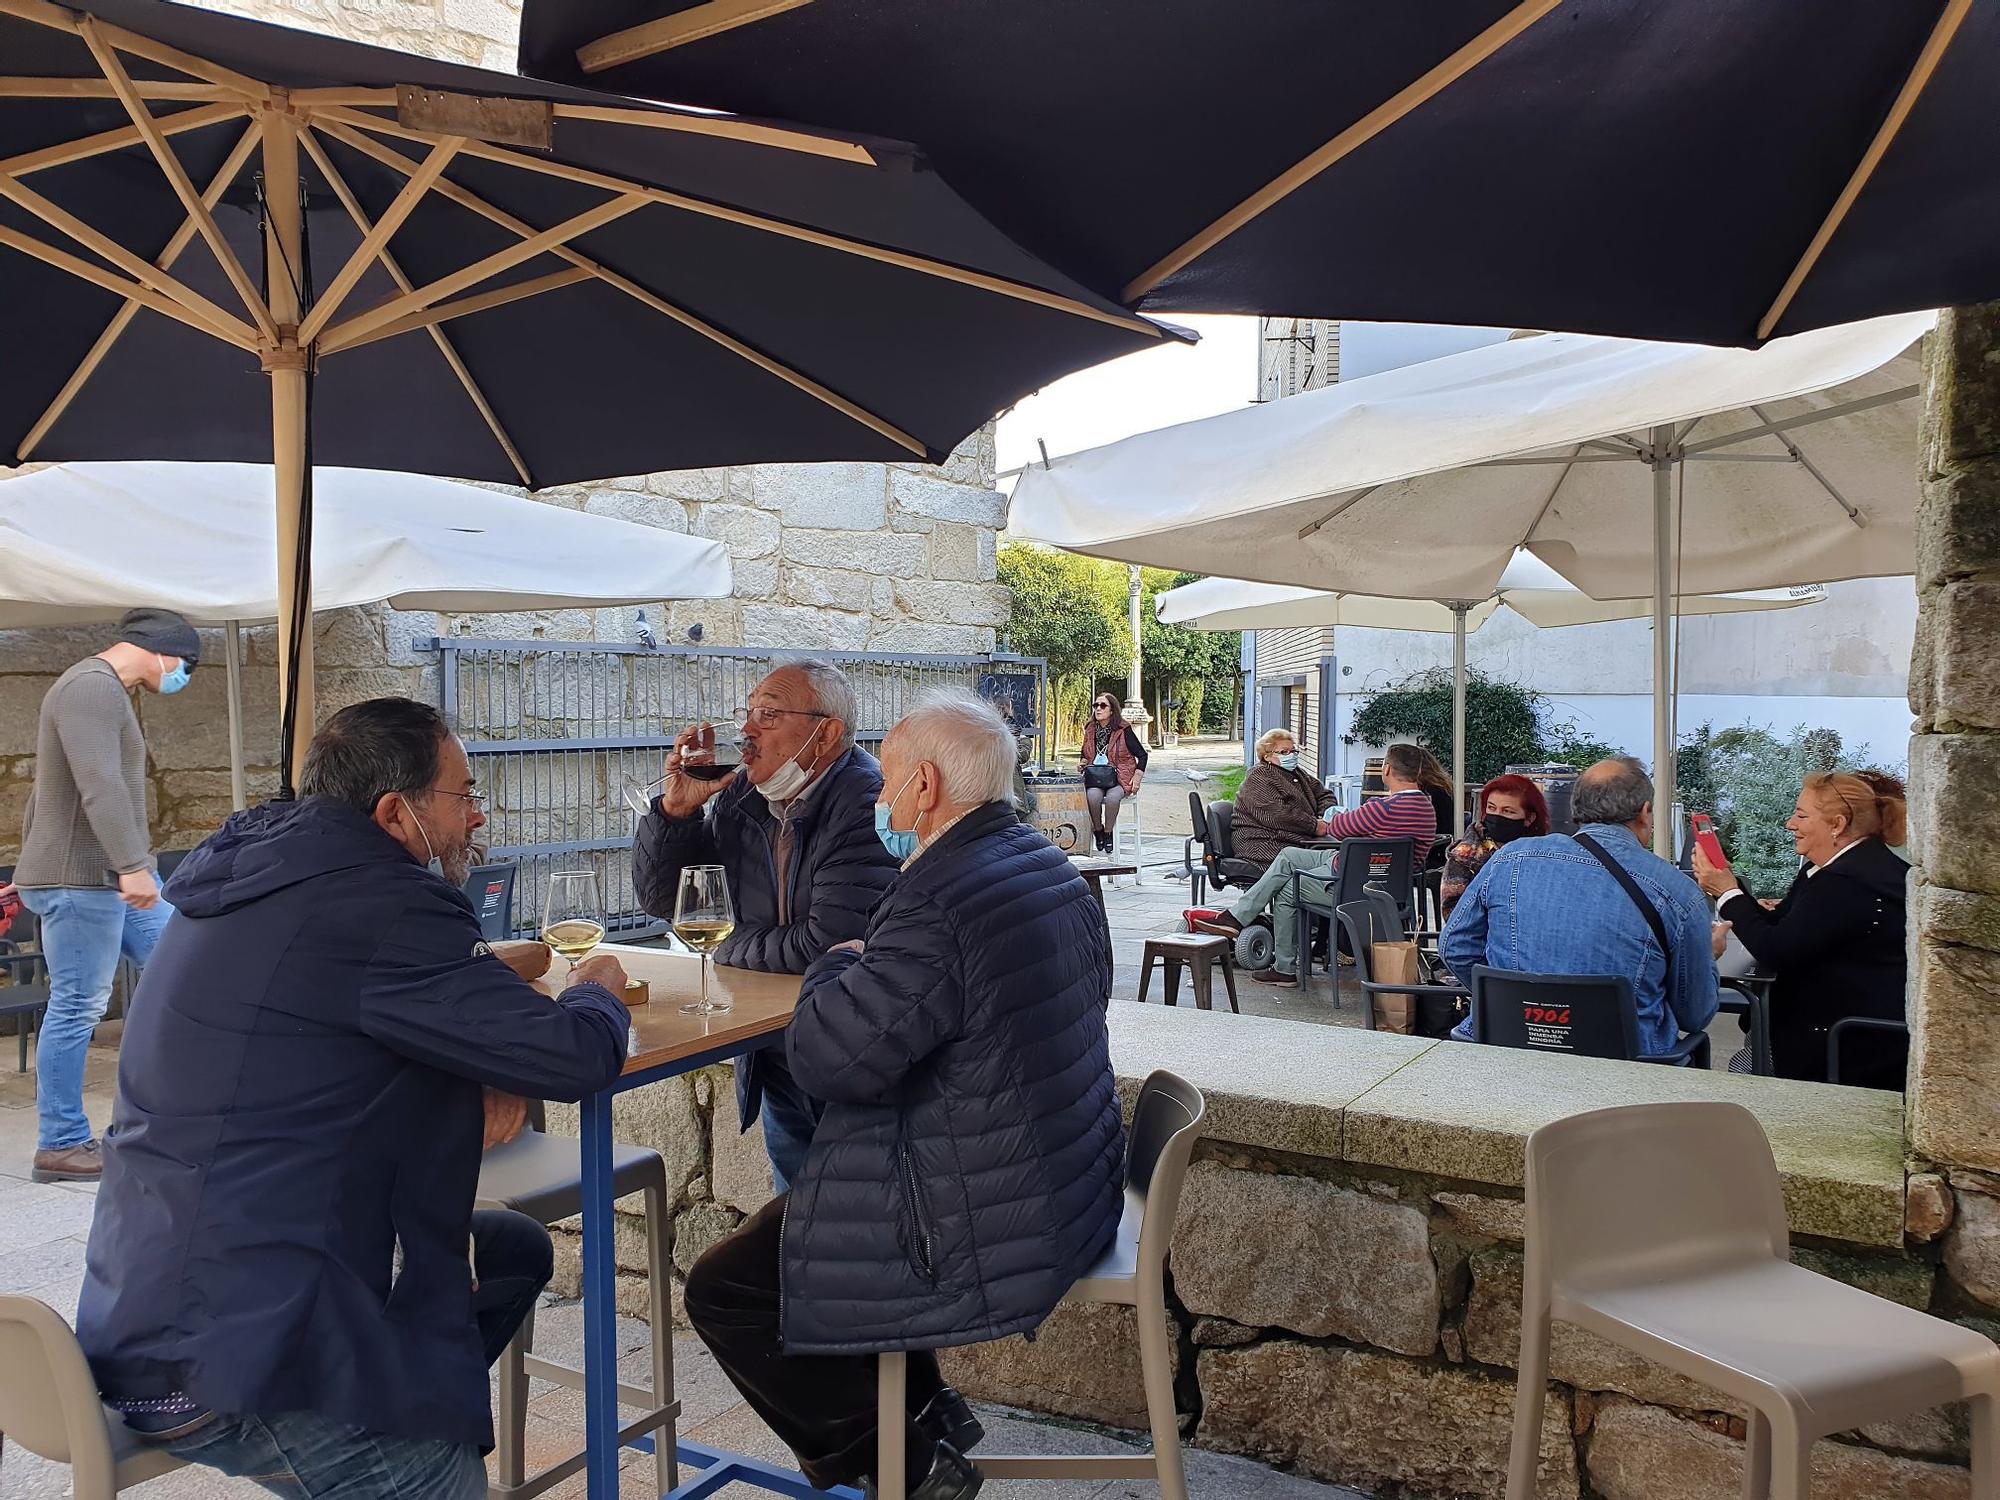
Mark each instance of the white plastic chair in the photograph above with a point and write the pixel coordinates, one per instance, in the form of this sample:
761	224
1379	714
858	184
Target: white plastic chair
1166	1122
1128	829
1661	1227
49	1405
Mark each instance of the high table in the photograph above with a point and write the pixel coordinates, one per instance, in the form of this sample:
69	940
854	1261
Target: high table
664	1044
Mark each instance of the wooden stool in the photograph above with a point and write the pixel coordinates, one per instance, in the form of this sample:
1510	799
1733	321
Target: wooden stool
1097	873
1199	951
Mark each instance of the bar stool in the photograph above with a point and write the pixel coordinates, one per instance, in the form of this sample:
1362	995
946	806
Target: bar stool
541	1175
49	1405
1132	1273
1200	952
1662	1228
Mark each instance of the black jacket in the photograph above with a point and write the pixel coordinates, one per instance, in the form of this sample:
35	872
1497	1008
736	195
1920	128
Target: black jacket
1836	945
299	1099
969	1165
838	869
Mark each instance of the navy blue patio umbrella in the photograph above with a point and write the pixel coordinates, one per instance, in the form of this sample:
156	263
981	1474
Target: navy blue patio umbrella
226	240
1701	171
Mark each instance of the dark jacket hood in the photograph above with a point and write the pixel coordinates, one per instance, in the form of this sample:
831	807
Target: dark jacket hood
262	850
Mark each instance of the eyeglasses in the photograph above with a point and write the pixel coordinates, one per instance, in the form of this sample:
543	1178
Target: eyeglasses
1104	703
767	718
477	799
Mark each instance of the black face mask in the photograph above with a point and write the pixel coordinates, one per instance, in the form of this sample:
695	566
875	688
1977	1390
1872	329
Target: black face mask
1504	830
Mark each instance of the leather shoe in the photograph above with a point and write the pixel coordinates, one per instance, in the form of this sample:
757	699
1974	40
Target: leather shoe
81	1163
947	1418
1277	978
1223	924
953	1476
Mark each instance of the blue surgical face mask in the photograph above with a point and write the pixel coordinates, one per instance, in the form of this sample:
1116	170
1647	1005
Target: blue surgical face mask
174	681
900	843
1289	761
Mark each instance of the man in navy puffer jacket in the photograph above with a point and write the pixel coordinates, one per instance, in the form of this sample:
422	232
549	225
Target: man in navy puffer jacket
968	1167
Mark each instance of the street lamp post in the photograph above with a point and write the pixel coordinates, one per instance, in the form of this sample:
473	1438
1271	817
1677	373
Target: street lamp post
1135	703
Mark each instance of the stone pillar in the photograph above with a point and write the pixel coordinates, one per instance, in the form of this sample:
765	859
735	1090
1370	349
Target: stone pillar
1954	1087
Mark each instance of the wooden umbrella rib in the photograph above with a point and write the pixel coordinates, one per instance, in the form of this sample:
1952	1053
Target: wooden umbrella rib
445	348
1921	72
677	30
121	139
376	238
900	259
132	291
1403	102
56	18
183	237
177	177
445	312
98	88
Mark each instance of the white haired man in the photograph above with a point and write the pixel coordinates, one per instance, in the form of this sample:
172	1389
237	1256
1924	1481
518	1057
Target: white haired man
968	1167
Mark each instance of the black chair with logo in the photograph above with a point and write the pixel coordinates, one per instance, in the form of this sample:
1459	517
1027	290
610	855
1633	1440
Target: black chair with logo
490	889
1376	920
1581	1015
1364	866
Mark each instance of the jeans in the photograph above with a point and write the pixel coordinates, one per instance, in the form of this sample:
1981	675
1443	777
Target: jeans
83	932
1103	803
304	1456
790	1116
1274	889
821	1405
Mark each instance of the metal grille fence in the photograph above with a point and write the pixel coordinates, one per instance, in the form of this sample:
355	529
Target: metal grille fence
557	730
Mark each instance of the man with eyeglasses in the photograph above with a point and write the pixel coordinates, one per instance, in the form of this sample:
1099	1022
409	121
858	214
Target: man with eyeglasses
278	1283
795	830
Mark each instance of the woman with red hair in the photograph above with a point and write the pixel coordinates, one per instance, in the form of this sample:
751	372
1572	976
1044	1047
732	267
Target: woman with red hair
1510	807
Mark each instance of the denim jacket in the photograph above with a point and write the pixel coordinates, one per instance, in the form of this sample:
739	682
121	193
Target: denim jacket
1546	906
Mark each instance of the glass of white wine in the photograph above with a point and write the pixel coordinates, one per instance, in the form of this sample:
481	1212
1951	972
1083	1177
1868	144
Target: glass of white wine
703	919
573	918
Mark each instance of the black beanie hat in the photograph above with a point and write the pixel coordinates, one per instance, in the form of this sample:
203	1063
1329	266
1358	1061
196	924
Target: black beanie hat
163	631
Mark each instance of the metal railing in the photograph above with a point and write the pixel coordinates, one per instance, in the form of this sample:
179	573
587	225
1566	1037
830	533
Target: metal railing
557	730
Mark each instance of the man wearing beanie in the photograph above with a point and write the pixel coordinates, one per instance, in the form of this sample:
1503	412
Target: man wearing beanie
86	866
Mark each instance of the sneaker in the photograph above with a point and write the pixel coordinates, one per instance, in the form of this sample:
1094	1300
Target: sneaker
1277	977
953	1476
1222	923
84	1163
947	1418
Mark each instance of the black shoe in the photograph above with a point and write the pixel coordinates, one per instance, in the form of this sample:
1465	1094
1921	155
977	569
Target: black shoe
947	1418
953	1476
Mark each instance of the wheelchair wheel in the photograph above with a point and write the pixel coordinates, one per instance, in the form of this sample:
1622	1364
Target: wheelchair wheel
1255	946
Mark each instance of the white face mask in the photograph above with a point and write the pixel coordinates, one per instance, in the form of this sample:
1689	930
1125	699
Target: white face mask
434	865
788	780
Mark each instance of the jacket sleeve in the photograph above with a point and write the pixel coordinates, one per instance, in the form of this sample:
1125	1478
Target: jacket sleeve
1136	745
1697	992
1261	802
867	1020
1809	923
664	848
846	881
433	993
88	704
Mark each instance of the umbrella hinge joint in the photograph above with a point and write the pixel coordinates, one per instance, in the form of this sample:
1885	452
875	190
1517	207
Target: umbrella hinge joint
286	354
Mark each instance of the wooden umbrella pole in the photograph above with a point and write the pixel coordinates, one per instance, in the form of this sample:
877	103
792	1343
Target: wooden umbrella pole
239	782
286	365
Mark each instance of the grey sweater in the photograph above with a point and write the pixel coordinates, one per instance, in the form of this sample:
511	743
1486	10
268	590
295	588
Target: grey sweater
86	822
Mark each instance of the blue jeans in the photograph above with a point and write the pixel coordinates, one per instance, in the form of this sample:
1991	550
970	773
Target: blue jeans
790	1117
83	933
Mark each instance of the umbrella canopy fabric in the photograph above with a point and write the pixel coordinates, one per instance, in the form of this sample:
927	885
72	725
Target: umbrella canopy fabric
81	543
1797	462
1701	170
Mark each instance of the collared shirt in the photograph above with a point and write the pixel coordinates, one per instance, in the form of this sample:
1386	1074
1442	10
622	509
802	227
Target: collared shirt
1811	870
1546	906
938	833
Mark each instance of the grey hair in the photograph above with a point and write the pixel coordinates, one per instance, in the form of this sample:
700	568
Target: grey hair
1271	737
966	739
1612	791
832	693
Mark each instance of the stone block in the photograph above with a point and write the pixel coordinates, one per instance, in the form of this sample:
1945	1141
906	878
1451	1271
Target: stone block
1353	1416
806	629
1927	1208
739	1173
1955	1055
754	580
1644	1453
1965	918
1964	621
922	494
1954	807
696	486
1972	1248
348	637
697	1228
721	621
638	507
1083	1363
745	530
20	710
941	640
190	731
1491	1218
829	588
887	554
1899	1278
1266	1251
403	632
972	461
1943	1432
962	553
1577	1357
1958	524
956	603
56	649
661	1115
630	1294
1220	1333
827	497
494	20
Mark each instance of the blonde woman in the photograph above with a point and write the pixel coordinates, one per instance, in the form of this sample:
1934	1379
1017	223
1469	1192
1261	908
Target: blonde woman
1279	805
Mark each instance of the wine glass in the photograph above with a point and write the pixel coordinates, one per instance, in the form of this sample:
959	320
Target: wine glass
715	756
703	919
573	917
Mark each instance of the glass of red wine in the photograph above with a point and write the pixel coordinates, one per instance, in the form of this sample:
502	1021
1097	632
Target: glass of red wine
714	756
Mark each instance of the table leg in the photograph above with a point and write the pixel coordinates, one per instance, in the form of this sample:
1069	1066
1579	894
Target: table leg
1097	890
600	1302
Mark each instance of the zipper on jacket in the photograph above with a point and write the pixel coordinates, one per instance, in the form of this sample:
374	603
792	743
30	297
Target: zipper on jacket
913	1201
784	1220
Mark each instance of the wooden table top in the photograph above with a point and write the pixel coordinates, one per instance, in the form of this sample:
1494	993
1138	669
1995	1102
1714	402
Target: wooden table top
1099	869
661	1034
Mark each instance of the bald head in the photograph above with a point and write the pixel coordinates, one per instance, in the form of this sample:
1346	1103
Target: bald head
1616	791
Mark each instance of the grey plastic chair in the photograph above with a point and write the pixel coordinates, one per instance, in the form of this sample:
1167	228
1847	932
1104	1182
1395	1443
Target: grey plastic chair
49	1405
1661	1227
1166	1123
542	1176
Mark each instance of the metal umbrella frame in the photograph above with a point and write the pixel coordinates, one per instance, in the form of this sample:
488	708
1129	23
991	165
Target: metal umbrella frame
497	123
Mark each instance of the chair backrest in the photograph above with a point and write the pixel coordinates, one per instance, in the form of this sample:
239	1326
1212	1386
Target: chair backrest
1166	1122
1584	1015
1221	842
48	1398
1367	922
1650	1189
490	889
169	860
1198	817
1382	863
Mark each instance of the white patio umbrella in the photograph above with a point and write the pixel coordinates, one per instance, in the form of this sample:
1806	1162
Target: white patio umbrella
1633	469
82	543
1529	587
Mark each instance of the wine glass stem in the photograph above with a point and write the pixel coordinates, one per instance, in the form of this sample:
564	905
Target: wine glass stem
704	981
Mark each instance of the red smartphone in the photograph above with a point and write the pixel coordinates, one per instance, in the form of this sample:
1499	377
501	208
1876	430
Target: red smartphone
1704	835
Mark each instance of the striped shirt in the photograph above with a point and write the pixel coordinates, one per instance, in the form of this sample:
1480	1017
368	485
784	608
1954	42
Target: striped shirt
1401	815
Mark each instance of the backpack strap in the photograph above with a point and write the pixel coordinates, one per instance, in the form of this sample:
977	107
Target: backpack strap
1639	899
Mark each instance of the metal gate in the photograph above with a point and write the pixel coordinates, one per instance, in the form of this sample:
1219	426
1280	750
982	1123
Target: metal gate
556	730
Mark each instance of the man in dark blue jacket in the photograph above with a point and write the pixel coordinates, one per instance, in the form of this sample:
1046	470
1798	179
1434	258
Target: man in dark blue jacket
968	1168
795	830
278	1282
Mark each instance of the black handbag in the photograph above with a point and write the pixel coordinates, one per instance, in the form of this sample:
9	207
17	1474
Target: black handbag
1100	778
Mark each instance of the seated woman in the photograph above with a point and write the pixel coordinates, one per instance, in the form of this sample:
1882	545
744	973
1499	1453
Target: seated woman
1510	807
1112	764
1835	942
1434	782
1278	806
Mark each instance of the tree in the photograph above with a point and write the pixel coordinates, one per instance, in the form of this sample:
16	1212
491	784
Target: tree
1749	779
1059	614
1504	723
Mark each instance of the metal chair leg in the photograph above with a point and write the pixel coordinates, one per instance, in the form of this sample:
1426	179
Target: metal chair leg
891	1417
666	1448
510	1434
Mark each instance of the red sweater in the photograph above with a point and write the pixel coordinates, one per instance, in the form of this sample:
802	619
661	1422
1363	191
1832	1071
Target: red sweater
1401	815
